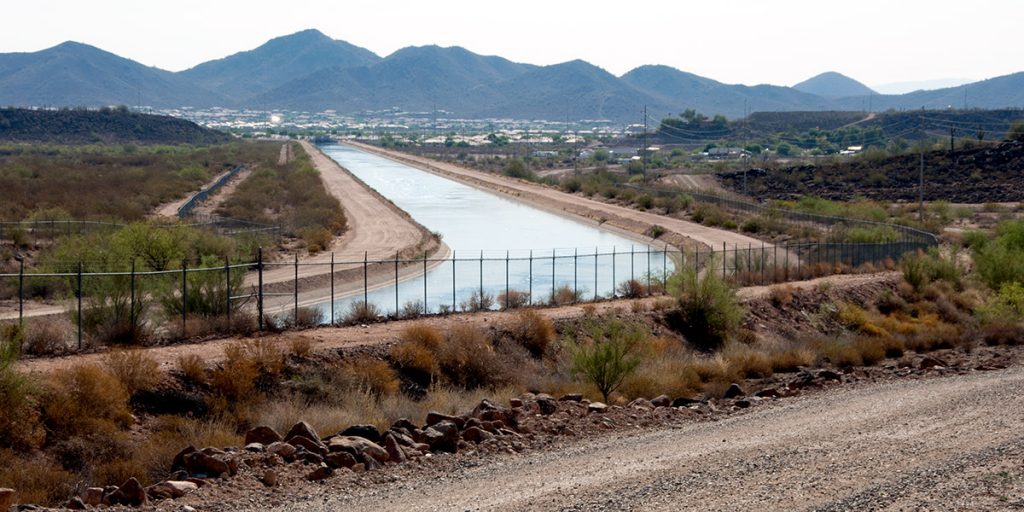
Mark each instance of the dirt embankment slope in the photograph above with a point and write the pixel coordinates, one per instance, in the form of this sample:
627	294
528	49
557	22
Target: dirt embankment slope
680	233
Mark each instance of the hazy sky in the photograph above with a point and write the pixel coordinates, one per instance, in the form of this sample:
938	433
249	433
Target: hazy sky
734	41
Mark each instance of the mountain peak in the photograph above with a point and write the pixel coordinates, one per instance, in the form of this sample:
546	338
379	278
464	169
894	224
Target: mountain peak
831	84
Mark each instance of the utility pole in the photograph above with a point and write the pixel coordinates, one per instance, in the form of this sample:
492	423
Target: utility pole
643	152
920	174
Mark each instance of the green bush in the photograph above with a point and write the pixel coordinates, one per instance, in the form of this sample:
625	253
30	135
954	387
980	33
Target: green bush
610	358
1001	260
708	310
920	268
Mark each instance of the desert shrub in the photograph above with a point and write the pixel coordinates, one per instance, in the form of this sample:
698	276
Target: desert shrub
371	376
631	289
36	478
193	368
412	309
467	358
317	238
611	356
921	268
249	369
781	294
672	375
566	295
1001	260
306	317
300	346
207	291
414	353
136	369
1003	332
45	338
790	360
708	311
360	312
871	350
513	299
748	362
532	330
84	399
479	300
20	426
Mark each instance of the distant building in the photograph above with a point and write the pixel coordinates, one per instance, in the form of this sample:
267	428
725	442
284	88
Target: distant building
727	154
852	150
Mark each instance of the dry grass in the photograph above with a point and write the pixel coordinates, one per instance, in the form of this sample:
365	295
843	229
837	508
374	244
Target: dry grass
84	399
781	294
532	330
46	338
299	345
467	358
513	299
565	295
136	370
36	478
193	368
370	376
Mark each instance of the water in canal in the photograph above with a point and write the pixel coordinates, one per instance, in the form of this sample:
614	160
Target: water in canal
504	233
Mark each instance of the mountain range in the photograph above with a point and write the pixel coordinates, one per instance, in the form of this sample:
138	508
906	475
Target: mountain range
309	71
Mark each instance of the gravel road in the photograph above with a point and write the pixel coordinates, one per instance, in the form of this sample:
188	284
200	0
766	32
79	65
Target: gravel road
952	443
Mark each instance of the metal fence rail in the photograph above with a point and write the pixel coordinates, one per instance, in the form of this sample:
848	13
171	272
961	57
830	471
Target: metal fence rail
402	287
204	194
905	234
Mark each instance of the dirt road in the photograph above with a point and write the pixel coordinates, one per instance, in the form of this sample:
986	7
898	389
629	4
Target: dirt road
608	215
952	443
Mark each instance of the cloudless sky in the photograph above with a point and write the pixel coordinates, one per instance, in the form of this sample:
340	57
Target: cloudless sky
735	41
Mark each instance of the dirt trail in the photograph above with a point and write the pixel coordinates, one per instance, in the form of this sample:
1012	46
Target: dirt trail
170	210
616	217
332	338
901	445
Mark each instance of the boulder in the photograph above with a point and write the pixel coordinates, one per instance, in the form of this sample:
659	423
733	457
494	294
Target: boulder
443	437
931	362
314	446
170	489
641	403
361	447
546	404
92	497
131	493
395	453
303	429
320	473
179	460
489	411
662	401
201	464
254	447
340	460
310	458
402	438
368	432
597	407
404	424
829	375
515	403
768	393
263	435
75	503
283	450
434	417
269	478
571	397
476	435
7	498
734	391
742	403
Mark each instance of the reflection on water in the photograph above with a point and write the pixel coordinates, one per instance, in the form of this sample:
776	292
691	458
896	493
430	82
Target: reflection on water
503	233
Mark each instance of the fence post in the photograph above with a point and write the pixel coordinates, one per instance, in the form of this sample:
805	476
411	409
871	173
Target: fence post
295	292
530	298
786	278
259	287
21	291
184	298
648	271
614	295
453	282
632	263
664	269
425	310
725	259
552	276
775	262
78	294
481	297
332	289
595	273
575	274
396	284
366	279
763	264
227	286
506	279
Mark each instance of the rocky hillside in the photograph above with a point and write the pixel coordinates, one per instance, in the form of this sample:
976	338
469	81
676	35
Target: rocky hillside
80	126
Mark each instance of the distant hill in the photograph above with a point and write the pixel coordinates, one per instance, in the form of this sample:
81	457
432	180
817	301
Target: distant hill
78	75
833	85
415	78
309	71
277	62
117	125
